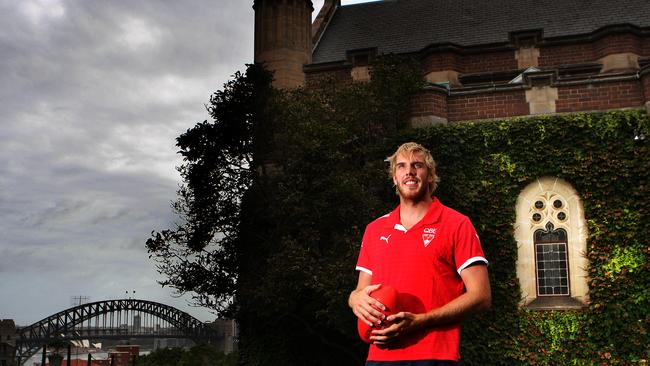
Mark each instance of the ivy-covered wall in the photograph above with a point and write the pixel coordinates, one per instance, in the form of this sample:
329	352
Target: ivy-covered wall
303	219
606	157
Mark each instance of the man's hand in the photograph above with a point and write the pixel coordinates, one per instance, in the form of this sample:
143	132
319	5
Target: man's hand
477	297
404	323
365	307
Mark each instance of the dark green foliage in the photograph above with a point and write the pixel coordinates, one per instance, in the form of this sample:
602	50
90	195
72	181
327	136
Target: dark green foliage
196	356
58	345
484	167
162	357
199	255
301	237
327	191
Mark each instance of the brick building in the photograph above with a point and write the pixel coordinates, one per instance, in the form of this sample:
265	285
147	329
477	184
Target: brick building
482	59
122	355
228	333
7	342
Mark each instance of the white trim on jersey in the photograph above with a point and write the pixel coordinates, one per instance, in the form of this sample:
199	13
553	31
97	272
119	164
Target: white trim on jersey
400	227
470	261
366	270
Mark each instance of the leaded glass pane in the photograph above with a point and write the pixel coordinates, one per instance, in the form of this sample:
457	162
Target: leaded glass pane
550	235
552	271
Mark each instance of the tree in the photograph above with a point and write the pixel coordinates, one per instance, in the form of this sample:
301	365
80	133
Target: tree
57	345
277	192
303	225
201	355
199	255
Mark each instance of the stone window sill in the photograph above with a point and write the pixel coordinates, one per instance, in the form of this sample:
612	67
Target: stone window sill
555	303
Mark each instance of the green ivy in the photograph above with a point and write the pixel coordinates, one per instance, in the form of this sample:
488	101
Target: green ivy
485	165
626	259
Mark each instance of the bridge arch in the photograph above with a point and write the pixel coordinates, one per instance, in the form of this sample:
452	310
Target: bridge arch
64	323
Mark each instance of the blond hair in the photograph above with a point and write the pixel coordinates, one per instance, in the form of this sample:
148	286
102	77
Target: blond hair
408	149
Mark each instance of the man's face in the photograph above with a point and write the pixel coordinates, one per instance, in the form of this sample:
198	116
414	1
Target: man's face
411	176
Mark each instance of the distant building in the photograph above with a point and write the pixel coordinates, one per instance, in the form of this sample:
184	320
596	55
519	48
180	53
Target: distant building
120	358
7	342
137	323
172	343
123	354
80	362
131	349
227	329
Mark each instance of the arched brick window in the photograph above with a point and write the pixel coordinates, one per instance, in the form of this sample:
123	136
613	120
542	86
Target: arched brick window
551	236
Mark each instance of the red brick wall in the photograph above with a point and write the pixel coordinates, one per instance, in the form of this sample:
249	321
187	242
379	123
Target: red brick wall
489	62
617	43
470	63
591	52
599	96
645	47
487	105
440	61
566	55
429	102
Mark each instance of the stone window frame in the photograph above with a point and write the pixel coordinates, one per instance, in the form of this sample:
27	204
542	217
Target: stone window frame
548	190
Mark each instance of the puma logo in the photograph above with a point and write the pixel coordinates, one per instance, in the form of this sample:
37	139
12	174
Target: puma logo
385	238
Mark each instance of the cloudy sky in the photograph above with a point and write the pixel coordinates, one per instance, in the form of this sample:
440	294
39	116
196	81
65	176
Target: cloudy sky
92	97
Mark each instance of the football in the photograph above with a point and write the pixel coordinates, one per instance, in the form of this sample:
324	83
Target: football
386	295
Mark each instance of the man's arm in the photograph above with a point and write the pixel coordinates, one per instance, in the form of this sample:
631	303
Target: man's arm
364	306
477	298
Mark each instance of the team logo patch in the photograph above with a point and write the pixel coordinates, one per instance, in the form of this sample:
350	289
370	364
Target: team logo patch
428	235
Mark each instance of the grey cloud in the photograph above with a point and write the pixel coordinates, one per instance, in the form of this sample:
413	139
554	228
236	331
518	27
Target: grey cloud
92	97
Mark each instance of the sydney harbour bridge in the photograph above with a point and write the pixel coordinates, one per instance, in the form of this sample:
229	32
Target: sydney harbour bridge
112	319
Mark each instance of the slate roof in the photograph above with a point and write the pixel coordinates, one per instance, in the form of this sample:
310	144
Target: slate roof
403	26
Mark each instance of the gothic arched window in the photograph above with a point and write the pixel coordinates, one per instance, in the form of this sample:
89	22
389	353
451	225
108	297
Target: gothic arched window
551	236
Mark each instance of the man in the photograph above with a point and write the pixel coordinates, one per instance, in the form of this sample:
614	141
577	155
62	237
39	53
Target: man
432	255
